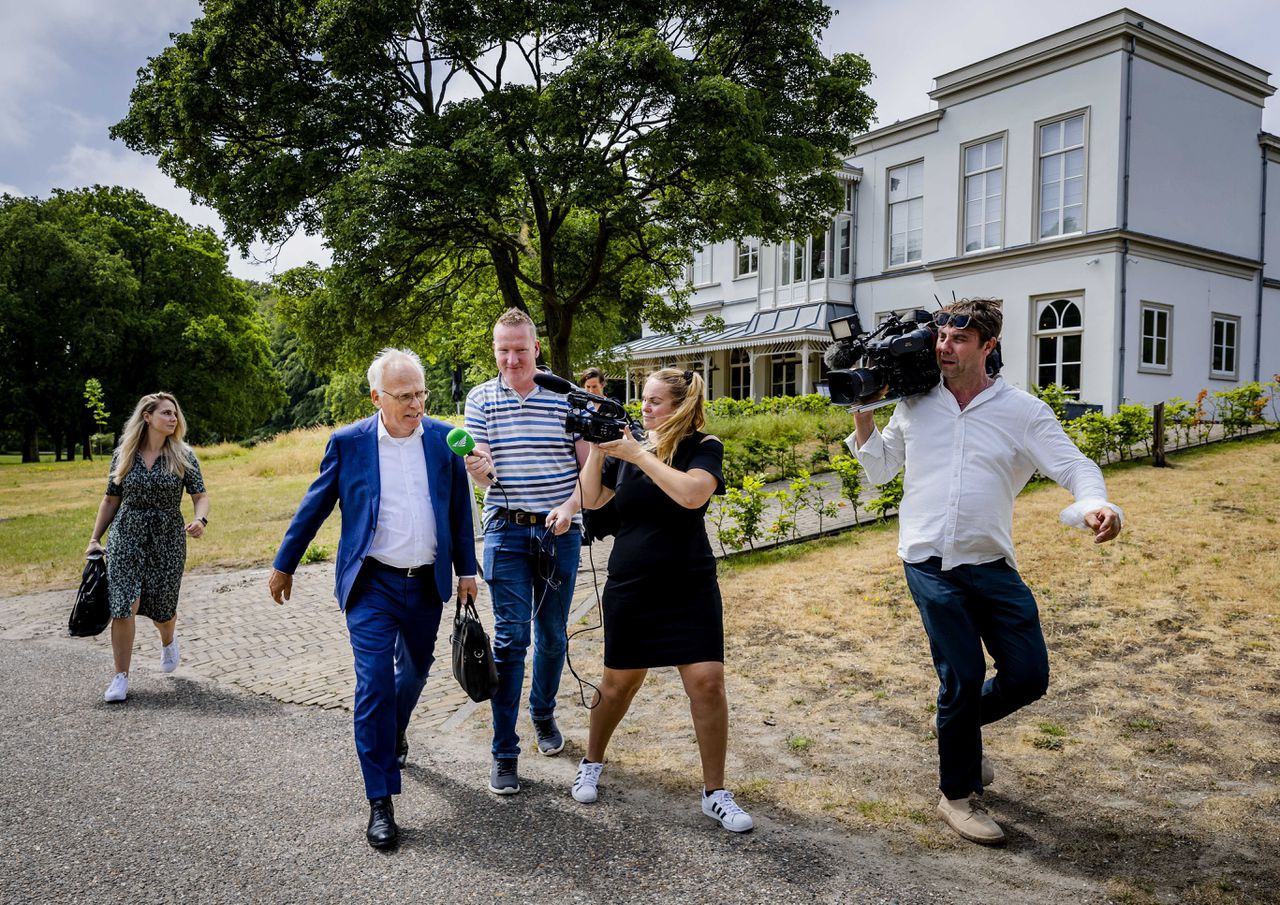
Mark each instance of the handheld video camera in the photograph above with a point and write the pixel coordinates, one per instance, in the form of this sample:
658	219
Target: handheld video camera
605	422
898	357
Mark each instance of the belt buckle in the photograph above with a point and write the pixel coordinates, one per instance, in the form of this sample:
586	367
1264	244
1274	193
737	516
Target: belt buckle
414	571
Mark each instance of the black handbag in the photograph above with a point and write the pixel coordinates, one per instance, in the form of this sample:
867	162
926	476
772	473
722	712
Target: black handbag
92	611
473	664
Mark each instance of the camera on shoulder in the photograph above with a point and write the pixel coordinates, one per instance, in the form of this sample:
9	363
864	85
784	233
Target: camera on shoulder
897	357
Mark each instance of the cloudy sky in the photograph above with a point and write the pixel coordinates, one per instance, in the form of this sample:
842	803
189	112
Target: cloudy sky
67	66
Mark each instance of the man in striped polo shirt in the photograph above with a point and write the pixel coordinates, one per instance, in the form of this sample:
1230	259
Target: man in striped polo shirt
532	538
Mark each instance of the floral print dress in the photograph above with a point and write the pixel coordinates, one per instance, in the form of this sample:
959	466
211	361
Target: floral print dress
147	545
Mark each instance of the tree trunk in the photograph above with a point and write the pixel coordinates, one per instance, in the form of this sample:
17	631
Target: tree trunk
86	443
559	329
30	443
57	446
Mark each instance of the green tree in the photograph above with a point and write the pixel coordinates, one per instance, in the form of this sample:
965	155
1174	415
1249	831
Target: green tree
100	283
557	157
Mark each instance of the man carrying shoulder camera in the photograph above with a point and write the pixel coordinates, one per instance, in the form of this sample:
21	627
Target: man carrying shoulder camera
969	446
532	536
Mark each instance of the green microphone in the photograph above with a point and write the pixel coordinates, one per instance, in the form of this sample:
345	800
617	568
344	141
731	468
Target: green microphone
463	444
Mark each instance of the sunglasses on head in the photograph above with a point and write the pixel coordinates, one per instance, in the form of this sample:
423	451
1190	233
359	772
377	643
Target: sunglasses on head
947	319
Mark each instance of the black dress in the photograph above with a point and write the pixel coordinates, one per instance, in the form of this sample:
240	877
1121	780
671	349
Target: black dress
662	602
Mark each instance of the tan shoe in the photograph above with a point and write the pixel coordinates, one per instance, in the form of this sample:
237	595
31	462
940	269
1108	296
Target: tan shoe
969	818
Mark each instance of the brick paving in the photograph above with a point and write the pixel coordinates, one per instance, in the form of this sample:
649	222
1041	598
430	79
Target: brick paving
232	632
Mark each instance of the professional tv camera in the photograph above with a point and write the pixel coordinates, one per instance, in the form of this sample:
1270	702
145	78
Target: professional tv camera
598	419
898	357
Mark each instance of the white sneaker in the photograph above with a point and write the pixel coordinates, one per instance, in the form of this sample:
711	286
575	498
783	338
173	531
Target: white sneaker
169	655
118	690
721	806
586	783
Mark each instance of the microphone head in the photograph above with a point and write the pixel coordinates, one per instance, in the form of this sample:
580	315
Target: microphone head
460	441
841	355
553	383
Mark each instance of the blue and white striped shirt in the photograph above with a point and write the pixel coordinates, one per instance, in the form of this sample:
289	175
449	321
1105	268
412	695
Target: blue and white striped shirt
533	458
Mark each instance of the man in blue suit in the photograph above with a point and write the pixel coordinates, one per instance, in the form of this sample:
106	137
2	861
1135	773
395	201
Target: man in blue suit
406	529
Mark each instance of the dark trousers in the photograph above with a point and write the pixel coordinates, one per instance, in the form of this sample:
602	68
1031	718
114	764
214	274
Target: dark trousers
963	609
392	621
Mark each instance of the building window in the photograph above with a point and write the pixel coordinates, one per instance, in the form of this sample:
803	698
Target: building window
843	239
819	255
1062	177
1224	336
983	195
906	214
748	260
739	374
1059	336
700	270
1157	323
791	259
786	370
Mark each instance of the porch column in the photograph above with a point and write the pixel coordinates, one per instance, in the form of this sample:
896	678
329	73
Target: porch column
706	377
805	355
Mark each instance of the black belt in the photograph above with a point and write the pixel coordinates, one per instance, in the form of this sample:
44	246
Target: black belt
410	572
521	516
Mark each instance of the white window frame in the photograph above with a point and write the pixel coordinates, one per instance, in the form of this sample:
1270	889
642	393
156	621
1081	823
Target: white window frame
785	360
1061	153
903	206
750	250
701	271
1226	320
1155	364
983	175
1058	334
793	253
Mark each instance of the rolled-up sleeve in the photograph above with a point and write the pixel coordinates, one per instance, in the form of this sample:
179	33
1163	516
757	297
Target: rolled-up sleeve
1056	457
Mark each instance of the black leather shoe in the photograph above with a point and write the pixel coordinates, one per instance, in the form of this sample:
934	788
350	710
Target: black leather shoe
382	832
402	750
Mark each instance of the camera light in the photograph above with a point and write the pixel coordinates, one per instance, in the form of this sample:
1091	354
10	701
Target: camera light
843	328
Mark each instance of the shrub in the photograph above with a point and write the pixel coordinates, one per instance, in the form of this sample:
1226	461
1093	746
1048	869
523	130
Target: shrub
314	553
1130	426
746	506
1055	396
1177	418
1241	408
890	497
850	474
1094	434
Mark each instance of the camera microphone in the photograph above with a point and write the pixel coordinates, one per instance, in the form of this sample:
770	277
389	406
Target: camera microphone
553	383
841	355
462	443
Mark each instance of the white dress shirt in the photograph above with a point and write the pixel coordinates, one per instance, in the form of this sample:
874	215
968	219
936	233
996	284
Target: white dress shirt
405	535
964	468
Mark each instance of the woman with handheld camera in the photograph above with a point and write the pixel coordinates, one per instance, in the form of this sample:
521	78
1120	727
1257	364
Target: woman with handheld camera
147	547
662	602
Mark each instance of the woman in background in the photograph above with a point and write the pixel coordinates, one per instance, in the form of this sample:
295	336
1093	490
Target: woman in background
662	601
147	547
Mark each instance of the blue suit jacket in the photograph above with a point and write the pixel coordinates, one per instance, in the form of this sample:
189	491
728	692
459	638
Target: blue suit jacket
349	477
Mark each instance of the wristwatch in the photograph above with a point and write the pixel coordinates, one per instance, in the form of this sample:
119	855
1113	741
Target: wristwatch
202	520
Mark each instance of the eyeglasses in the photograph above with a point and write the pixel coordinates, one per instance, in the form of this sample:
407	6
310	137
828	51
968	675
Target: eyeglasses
406	398
957	321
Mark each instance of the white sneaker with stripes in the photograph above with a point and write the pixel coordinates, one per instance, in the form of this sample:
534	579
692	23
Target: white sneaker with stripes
720	805
584	786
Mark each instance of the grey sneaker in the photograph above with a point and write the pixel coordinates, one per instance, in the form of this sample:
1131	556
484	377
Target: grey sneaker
550	741
504	779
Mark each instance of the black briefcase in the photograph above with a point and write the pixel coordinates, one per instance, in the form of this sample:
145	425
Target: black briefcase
92	611
473	664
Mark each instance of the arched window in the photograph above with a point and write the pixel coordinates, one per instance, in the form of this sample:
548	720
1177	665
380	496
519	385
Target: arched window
739	374
1059	341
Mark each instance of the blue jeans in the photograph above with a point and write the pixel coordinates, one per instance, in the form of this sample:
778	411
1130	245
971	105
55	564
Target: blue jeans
962	609
531	573
392	621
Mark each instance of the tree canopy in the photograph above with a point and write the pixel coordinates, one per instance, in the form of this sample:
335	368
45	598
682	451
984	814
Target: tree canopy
99	283
559	157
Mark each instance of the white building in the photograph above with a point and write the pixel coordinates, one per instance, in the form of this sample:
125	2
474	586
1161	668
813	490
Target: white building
1109	184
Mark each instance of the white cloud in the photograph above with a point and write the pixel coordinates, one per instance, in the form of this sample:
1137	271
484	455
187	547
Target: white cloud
7	189
85	166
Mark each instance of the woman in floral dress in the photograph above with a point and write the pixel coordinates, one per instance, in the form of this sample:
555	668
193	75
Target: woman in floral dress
147	547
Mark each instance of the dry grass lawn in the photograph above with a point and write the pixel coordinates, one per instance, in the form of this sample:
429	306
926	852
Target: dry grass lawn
47	510
1151	766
